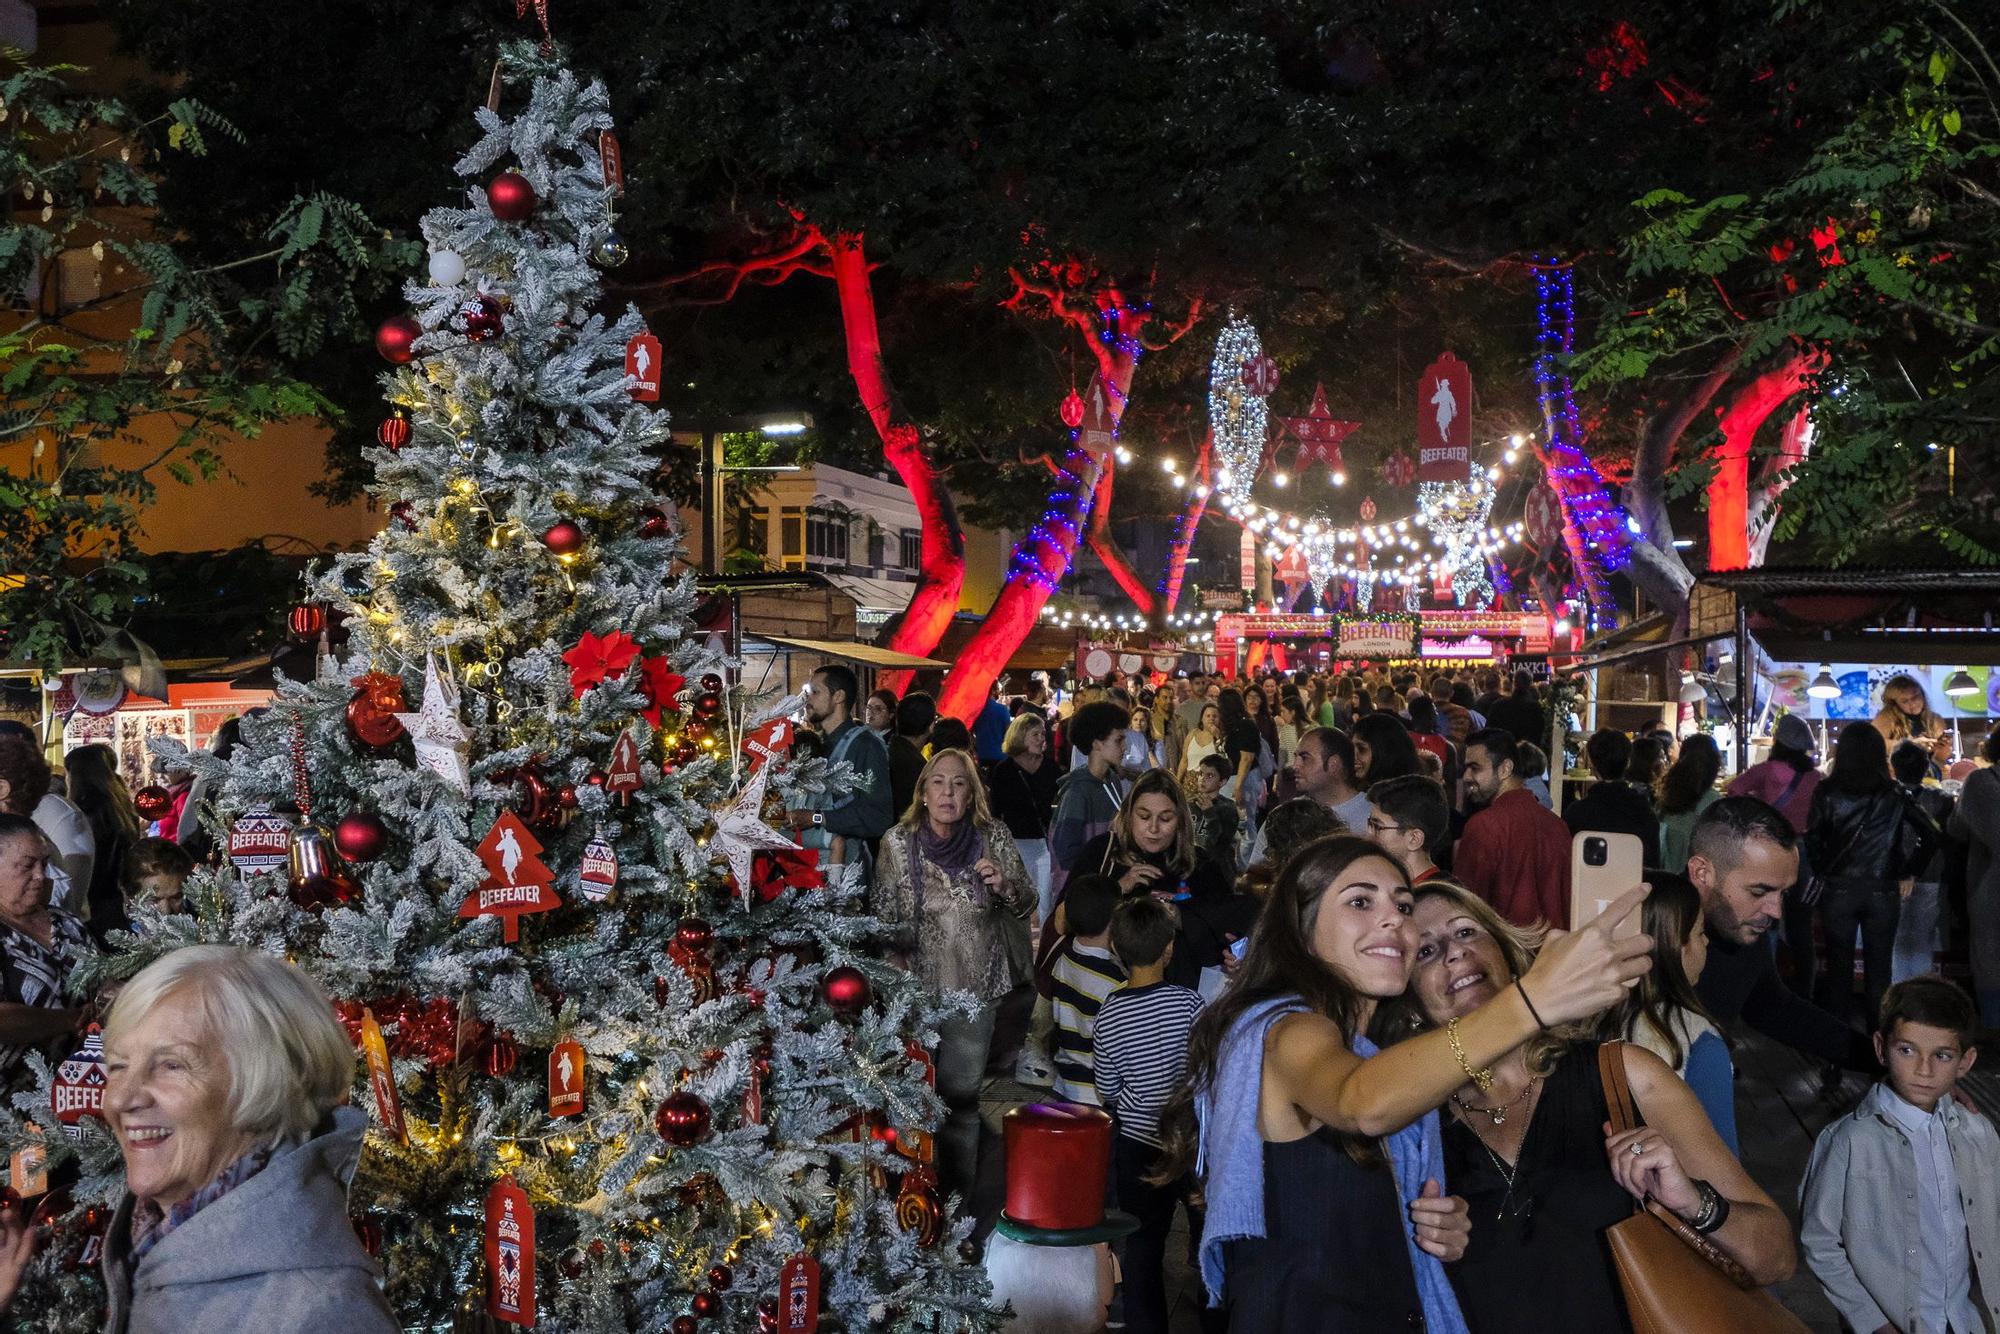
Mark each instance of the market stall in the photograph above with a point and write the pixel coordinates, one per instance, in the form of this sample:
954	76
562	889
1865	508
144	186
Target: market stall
1420	639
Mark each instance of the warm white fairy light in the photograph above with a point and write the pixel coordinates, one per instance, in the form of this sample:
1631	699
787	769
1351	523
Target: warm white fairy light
1238	419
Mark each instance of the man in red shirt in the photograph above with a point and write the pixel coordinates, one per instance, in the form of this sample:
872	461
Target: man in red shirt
1515	853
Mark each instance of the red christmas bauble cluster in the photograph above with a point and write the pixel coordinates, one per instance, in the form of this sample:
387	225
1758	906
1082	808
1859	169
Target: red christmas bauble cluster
396	339
683	1119
511	198
845	990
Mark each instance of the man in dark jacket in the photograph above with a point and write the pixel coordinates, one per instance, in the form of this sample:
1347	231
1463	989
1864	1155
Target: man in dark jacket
1742	858
1614	806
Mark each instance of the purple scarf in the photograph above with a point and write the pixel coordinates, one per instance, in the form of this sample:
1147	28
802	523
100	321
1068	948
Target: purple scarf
954	851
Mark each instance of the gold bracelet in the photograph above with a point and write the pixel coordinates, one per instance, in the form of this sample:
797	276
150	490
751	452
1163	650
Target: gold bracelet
1481	1079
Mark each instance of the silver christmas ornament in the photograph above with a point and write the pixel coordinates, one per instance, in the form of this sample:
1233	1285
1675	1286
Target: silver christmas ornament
610	252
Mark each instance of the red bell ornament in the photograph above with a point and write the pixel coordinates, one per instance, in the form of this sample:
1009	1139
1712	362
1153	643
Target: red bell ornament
564	537
152	802
396	339
394	432
511	198
683	1119
361	836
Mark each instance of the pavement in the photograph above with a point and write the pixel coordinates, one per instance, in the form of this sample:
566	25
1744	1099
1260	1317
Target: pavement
1780	1110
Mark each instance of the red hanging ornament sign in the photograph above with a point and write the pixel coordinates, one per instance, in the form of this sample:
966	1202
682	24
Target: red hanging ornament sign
1543	515
382	1078
643	356
770	741
1260	376
612	160
1399	470
77	1090
1072	409
259	841
1444	421
517	880
510	1254
798	1295
622	777
566	1079
597	879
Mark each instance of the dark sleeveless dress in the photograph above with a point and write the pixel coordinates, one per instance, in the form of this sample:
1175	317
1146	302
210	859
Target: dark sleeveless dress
1333	1260
1550	1270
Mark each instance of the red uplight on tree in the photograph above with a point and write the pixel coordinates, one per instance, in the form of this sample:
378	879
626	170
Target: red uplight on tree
845	990
396	338
511	197
564	537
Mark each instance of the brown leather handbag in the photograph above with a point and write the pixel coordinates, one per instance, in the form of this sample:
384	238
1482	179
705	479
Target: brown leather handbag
1675	1280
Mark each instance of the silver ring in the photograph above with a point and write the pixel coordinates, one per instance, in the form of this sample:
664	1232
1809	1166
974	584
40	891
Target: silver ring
1637	1148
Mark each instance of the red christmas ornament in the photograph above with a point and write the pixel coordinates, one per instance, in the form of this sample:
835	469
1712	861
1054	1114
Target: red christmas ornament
511	198
77	1090
306	620
400	512
566	1078
685	1324
595	778
845	990
510	1253
654	523
711	681
683	1119
767	1316
566	796
501	1053
152	802
368	1231
694	934
919	1210
394	432
371	714
1260	376
705	1304
1072	409
709	701
720	1278
564	537
480	320
1399	470
396	339
361	836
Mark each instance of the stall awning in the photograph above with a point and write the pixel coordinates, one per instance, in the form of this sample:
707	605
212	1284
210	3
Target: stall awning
1635	652
884	595
868	653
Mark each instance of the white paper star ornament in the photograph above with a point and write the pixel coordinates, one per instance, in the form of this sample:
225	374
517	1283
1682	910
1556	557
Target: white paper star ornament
442	741
740	833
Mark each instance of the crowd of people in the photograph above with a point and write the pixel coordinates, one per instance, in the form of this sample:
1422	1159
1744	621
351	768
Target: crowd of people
1307	940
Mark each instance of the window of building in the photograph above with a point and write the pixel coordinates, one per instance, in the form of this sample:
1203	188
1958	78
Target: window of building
792	537
912	553
826	537
878	547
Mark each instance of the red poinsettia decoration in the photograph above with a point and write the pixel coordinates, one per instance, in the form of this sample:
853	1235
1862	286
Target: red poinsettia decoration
772	873
597	659
659	686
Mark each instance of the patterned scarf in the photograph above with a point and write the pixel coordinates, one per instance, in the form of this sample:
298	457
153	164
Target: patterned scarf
150	1225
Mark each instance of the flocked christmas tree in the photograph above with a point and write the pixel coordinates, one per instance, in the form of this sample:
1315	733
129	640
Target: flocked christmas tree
517	819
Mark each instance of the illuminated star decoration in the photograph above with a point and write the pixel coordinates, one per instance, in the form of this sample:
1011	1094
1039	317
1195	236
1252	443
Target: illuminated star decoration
1319	434
740	833
441	739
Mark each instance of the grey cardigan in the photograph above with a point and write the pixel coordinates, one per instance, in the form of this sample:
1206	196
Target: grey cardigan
276	1253
1859	1214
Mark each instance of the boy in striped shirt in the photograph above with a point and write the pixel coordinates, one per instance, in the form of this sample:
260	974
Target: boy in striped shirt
1139	1049
1083	974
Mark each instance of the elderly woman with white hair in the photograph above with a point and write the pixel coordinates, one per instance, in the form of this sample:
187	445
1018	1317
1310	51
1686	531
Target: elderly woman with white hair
226	1073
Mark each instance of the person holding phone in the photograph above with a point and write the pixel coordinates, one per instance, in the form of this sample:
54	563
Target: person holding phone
1322	1170
1527	1136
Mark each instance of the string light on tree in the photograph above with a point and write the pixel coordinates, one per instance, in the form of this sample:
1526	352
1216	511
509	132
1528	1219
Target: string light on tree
1239	420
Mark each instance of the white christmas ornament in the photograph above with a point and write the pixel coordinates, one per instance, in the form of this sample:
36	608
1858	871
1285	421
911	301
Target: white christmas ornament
447	268
1238	419
441	739
740	832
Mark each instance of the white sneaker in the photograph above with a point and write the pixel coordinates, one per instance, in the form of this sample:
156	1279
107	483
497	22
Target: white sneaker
1032	1067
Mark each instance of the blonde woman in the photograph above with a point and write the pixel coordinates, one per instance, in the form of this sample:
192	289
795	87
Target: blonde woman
1906	715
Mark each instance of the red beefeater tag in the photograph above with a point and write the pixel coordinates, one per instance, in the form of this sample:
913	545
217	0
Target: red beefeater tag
642	362
798	1295
510	1254
566	1079
612	160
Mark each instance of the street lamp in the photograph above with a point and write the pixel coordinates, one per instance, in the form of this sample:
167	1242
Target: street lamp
775	424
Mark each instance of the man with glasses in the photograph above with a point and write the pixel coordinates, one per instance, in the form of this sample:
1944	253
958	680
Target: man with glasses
1407	818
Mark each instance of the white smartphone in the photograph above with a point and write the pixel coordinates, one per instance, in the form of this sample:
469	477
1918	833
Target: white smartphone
1603	867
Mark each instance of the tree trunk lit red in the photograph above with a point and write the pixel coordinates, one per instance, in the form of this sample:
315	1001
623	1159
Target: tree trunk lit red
1044	555
1177	554
1106	547
1729	489
941	570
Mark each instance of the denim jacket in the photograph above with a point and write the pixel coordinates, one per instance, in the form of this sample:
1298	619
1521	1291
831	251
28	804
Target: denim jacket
1859	1212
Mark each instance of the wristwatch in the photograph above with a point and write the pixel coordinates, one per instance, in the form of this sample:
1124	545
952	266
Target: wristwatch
819	818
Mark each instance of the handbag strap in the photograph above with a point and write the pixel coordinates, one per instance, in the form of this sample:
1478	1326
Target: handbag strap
1798	776
1617	1092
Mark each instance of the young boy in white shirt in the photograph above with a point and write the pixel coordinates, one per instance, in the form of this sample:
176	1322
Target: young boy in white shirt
1901	1200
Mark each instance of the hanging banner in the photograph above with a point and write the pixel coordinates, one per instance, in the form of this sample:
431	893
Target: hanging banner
1375	636
1444	421
1291	568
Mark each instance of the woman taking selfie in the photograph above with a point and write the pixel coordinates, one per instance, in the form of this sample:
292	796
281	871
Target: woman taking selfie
1525	1141
1314	1224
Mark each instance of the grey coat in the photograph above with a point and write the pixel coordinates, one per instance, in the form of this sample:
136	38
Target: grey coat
277	1253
